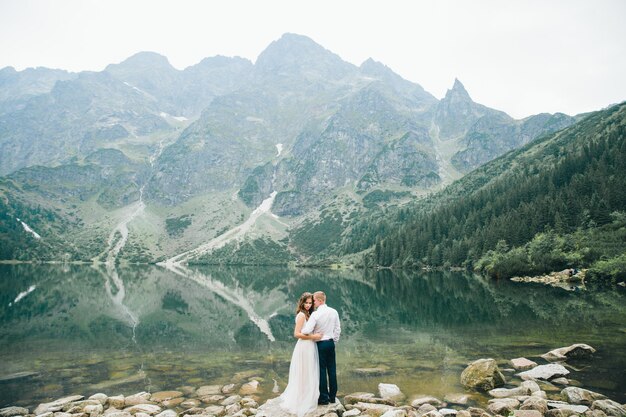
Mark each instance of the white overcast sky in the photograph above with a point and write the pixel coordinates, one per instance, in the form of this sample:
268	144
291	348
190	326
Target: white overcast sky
523	57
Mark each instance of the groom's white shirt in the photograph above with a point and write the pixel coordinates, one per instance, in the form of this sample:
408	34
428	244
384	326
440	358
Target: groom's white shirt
324	320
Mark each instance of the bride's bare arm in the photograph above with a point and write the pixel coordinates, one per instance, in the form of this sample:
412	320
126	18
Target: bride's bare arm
297	331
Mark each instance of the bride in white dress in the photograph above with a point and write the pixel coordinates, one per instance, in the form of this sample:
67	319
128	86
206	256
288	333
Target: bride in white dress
302	391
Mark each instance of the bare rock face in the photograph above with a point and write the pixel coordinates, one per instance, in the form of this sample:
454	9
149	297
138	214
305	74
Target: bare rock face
576	351
482	374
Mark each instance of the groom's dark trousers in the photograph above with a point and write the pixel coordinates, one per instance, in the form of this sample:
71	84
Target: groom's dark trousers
328	371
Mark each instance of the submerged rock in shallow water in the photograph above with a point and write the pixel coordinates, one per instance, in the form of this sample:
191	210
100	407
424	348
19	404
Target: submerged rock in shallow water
576	351
13	411
161	396
57	405
18	375
390	392
207	390
459	399
482	374
248	388
427	400
367	372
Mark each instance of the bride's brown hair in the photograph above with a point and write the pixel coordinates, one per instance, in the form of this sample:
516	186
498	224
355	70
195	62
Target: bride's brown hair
305	296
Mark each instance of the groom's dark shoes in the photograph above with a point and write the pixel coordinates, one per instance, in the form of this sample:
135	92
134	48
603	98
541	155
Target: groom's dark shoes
323	403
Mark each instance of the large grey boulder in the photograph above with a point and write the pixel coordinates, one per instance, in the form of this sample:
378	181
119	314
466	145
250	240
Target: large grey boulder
575	395
482	374
610	407
546	372
576	351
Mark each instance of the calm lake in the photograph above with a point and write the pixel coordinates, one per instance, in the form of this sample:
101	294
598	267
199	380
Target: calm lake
67	329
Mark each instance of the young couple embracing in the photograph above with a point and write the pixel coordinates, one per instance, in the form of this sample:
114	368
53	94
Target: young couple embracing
313	370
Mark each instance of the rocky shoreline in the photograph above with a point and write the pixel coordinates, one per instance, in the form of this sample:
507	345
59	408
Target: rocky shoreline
568	279
532	391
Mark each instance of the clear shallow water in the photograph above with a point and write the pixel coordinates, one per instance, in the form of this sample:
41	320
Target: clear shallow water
84	330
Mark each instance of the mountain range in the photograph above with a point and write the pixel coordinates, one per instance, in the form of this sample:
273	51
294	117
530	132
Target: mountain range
167	160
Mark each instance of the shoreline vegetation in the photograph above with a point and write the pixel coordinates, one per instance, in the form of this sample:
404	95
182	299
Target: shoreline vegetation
529	389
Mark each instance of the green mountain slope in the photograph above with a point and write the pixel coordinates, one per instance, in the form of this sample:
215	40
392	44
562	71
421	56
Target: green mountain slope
566	182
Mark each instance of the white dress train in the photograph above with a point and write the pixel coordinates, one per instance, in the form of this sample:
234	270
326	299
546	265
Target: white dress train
302	390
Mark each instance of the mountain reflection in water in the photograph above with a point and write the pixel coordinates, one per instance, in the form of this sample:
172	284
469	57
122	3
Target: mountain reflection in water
83	329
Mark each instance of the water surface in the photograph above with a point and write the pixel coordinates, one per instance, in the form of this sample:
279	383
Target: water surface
68	329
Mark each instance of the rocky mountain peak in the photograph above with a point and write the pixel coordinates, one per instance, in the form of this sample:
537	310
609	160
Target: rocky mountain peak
141	62
297	55
458	92
372	66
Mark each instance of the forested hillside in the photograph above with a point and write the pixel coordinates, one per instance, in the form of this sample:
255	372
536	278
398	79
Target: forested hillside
560	190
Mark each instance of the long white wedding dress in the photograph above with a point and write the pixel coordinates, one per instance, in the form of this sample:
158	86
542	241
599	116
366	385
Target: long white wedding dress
302	390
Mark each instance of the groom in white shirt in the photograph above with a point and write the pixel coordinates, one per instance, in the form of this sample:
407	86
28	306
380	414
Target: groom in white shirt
325	320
